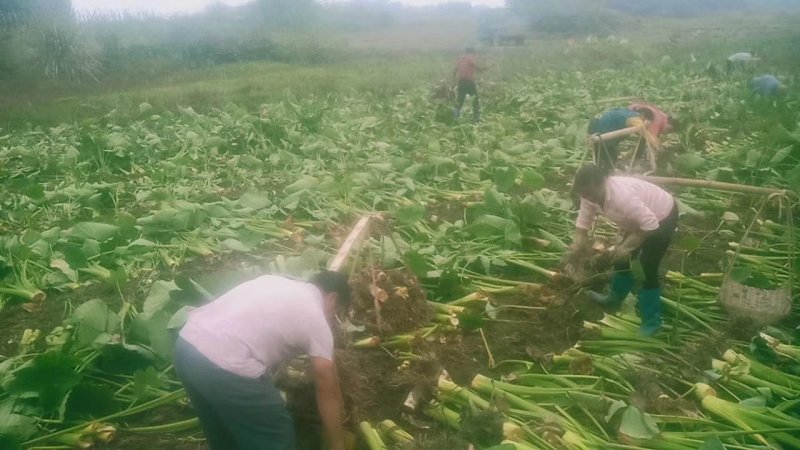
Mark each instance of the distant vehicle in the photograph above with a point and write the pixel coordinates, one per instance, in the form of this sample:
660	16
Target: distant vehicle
499	30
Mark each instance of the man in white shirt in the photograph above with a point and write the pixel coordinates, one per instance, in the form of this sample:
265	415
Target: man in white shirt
646	215
228	349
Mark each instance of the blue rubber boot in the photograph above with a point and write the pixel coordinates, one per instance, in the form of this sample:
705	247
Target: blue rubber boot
650	310
621	285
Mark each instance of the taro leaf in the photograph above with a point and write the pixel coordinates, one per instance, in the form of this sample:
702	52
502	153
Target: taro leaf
753	157
410	214
142	379
100	232
740	274
512	234
505	178
532	179
88	400
93	319
793	179
755	402
159	297
50	376
236	245
75	257
493	201
781	155
712	443
304	183
179	318
503	447
614	406
124	358
688	243
14	426
637	424
153	329
417	263
254	200
689	162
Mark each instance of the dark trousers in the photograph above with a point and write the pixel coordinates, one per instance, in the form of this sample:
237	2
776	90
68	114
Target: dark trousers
652	250
236	413
468	87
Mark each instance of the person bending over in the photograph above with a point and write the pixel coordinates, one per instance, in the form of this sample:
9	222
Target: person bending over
227	350
646	216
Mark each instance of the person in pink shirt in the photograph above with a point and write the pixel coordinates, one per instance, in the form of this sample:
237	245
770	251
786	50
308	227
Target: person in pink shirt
658	122
647	217
229	349
464	74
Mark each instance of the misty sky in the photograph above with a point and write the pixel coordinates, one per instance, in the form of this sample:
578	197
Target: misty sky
187	6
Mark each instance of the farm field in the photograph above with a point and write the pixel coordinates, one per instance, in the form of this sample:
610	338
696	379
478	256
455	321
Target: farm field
124	209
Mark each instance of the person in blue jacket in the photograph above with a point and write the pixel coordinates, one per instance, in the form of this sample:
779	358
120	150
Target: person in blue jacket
767	86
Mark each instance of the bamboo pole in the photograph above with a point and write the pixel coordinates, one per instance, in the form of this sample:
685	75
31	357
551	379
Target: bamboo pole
353	239
716	185
616	134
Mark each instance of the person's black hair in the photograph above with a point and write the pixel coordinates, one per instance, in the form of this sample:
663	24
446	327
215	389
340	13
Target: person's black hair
647	113
587	177
331	282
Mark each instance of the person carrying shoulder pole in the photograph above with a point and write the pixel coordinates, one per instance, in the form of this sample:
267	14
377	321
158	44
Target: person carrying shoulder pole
647	217
650	118
464	74
227	350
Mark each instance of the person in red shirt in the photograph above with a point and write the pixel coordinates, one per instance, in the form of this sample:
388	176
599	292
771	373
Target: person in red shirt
465	76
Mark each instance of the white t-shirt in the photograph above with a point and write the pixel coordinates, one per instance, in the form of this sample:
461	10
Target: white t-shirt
259	324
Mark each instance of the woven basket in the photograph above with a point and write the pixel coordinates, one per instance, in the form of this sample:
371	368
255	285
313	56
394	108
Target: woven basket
762	306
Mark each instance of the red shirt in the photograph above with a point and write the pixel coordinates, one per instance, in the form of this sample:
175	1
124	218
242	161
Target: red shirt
660	123
465	69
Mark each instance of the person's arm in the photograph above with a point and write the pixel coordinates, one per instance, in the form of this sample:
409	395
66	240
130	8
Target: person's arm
329	401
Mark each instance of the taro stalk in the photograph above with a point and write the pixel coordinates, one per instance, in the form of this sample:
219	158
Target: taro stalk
751	418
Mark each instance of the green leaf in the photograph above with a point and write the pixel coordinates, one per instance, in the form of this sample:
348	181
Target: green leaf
50	377
93	319
690	162
155	331
740	274
512	233
304	183
13	425
712	443
614	406
637	424
159	297
254	200
503	447
89	400
532	179
505	178
781	155
410	214
94	230
178	320
236	245
142	379
417	263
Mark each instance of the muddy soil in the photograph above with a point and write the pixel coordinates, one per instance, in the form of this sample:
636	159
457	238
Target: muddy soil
389	302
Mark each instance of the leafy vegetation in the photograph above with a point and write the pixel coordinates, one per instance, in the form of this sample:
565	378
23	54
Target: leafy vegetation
126	220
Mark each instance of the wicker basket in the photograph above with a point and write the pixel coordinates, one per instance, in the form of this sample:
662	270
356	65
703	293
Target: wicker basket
762	306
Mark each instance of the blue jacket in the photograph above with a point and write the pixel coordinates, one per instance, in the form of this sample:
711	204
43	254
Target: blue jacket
611	120
766	85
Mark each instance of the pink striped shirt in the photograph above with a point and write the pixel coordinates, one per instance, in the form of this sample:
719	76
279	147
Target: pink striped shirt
632	204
